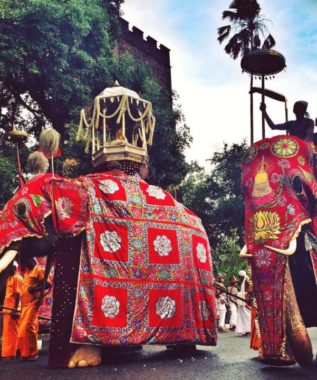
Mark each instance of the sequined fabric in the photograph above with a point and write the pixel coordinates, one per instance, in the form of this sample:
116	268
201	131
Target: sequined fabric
278	184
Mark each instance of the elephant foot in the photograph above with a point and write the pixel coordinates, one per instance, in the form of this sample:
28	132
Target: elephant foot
85	356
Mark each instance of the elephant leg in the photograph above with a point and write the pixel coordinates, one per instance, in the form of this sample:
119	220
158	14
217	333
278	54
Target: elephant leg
64	298
295	329
85	356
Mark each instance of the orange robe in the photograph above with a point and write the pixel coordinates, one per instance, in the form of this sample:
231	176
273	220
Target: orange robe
10	325
255	342
28	330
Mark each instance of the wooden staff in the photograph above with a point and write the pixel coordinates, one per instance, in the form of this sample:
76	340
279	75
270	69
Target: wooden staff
231	295
19	311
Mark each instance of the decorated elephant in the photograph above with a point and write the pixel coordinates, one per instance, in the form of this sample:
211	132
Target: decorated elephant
133	266
280	191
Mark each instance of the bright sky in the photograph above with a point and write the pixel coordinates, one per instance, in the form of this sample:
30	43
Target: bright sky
213	91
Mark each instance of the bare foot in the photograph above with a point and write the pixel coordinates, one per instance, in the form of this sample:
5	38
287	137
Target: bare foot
85	356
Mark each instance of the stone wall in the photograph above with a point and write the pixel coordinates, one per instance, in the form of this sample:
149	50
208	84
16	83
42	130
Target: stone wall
146	51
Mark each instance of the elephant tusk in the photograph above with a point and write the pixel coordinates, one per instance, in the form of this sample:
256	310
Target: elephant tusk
7	259
244	253
288	252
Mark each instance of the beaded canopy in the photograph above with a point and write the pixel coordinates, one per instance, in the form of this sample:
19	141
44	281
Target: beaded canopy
118	126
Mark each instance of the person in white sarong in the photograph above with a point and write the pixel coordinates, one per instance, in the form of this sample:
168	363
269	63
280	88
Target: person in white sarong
221	303
243	326
233	303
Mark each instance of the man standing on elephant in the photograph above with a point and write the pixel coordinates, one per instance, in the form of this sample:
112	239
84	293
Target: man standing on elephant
28	330
11	318
301	127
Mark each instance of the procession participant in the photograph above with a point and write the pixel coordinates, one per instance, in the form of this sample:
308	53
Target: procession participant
28	329
11	318
221	303
233	302
243	326
255	341
302	127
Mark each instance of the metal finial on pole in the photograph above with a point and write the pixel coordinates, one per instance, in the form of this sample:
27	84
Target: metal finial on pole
17	137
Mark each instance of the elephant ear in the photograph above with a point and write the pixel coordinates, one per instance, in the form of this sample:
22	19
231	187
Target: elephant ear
69	205
24	214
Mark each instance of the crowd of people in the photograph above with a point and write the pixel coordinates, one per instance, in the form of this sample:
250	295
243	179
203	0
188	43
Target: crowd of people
233	304
20	311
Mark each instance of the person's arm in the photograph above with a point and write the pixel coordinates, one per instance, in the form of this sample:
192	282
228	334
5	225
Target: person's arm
282	126
309	133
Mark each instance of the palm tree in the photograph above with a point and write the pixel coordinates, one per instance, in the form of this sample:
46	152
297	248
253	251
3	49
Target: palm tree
247	25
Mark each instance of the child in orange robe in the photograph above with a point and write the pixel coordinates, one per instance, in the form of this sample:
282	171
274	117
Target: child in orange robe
11	318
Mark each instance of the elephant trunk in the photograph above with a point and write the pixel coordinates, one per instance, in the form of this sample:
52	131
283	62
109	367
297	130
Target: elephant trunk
295	329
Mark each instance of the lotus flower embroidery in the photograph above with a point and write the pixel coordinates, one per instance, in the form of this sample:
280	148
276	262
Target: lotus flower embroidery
110	306
110	241
108	186
265	226
201	253
285	147
162	245
165	307
64	208
155	192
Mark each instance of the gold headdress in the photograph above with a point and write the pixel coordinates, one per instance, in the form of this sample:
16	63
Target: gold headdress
118	126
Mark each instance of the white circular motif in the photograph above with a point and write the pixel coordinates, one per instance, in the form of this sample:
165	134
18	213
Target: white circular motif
63	207
110	241
263	258
204	310
201	253
108	186
165	307
155	192
110	306
162	245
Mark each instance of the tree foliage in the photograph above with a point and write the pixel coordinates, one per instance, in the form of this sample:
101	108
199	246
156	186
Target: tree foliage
217	199
56	56
245	28
226	255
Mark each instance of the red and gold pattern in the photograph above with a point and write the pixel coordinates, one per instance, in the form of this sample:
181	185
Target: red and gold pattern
146	270
275	174
149	261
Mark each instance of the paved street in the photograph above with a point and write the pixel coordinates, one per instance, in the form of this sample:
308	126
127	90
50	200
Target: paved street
232	359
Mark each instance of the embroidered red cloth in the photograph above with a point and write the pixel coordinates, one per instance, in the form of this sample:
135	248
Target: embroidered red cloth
146	270
43	195
274	172
24	213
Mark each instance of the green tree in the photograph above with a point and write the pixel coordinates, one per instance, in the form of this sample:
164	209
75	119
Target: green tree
226	255
7	170
247	24
56	56
216	197
52	57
